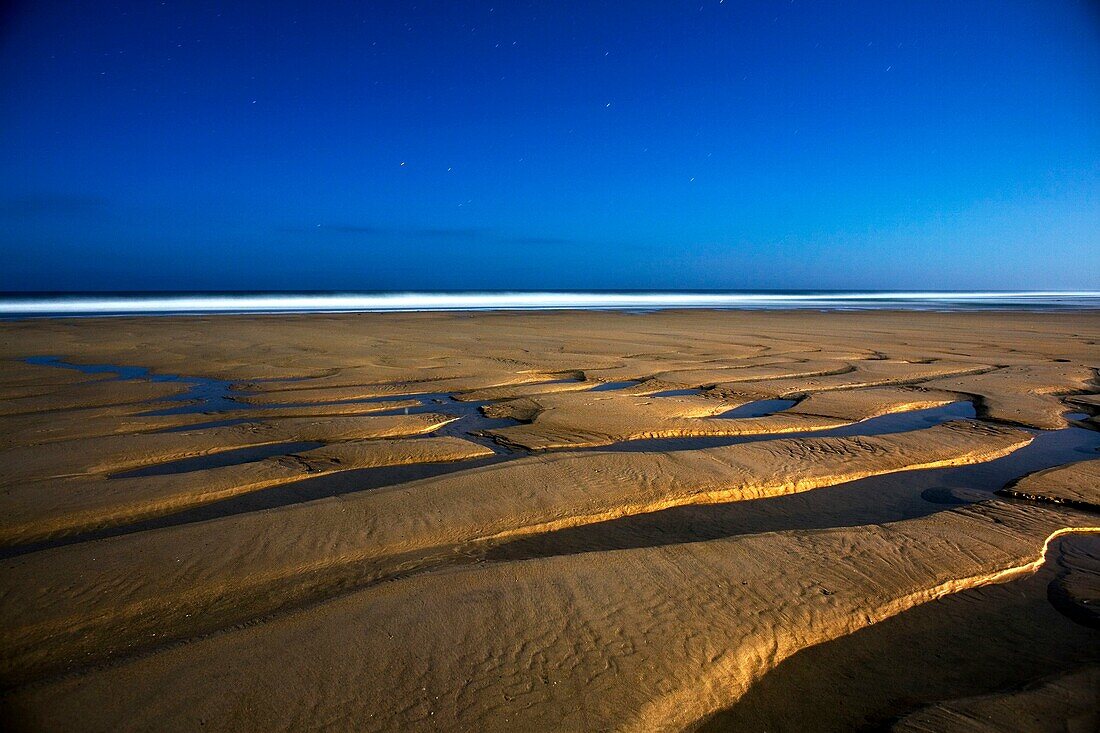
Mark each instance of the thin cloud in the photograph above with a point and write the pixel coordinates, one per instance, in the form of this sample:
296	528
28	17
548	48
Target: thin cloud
356	229
347	229
51	204
487	235
537	240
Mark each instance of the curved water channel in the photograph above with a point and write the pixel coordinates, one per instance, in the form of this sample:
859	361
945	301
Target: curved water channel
976	641
876	499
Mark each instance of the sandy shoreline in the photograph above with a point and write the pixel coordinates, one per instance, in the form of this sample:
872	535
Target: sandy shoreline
553	521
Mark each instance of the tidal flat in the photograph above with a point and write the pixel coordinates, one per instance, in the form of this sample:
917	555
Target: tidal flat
575	520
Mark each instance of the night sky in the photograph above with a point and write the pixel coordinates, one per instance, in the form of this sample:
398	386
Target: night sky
469	145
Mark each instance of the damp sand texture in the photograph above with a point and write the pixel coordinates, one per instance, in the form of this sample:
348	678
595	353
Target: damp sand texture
668	521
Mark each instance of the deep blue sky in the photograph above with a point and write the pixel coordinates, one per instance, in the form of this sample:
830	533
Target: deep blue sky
460	145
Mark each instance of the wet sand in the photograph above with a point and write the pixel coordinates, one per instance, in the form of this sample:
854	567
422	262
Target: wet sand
552	521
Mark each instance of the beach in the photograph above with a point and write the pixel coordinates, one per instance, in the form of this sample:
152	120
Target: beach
581	520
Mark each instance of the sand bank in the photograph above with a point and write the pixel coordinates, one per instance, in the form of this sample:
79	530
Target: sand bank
548	564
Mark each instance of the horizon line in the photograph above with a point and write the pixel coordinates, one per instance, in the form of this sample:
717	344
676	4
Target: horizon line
246	302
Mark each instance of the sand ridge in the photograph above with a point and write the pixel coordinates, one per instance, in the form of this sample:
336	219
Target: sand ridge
386	604
116	453
630	640
307	548
601	418
65	507
1075	484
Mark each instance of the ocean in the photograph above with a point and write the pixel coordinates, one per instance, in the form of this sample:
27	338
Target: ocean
29	305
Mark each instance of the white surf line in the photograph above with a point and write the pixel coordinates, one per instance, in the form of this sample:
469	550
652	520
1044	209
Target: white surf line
428	301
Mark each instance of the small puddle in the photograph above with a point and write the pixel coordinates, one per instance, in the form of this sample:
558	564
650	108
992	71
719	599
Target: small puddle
612	386
203	395
471	425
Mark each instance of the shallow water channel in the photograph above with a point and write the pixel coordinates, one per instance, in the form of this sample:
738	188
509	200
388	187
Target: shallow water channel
876	499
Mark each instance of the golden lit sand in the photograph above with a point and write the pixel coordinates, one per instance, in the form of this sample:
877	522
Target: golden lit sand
1076	484
330	560
310	548
116	453
647	639
51	508
601	418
